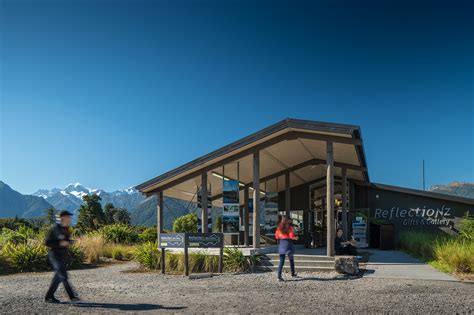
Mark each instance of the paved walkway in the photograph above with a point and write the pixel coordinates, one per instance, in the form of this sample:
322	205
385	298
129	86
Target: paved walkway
397	264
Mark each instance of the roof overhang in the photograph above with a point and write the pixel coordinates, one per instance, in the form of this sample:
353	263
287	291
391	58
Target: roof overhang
292	145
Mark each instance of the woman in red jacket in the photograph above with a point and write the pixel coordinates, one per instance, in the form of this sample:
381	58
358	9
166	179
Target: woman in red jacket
286	234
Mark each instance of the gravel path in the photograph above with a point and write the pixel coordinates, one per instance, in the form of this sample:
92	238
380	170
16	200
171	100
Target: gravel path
112	289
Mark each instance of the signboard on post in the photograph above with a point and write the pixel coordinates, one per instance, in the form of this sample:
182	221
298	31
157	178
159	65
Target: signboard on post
230	196
174	240
191	240
210	240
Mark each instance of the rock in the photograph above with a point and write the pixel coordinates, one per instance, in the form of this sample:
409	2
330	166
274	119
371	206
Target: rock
347	264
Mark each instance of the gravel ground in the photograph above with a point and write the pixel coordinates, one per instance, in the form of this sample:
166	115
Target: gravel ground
112	289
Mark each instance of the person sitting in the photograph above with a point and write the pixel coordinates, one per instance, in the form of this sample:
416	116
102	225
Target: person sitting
342	247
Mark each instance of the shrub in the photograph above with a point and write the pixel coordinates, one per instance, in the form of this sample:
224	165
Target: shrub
119	233
118	251
148	235
148	255
236	261
455	255
93	247
467	228
11	236
76	257
186	224
26	256
420	244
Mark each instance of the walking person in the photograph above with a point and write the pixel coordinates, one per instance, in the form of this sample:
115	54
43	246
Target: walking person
58	240
285	234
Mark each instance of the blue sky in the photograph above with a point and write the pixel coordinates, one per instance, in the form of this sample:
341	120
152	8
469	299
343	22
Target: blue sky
112	93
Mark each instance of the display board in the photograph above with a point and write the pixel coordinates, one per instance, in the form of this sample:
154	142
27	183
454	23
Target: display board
230	198
271	212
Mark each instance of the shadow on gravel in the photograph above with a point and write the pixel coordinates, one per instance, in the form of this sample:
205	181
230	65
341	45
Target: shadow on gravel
128	307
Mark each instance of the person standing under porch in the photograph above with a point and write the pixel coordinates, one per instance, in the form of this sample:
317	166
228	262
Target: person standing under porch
285	234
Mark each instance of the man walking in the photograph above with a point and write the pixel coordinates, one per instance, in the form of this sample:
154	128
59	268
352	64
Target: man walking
58	241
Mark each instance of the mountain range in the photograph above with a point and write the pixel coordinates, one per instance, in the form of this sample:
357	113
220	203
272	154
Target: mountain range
142	210
456	189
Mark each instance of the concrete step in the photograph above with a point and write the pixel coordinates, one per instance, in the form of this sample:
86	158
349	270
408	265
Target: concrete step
303	257
304	268
317	263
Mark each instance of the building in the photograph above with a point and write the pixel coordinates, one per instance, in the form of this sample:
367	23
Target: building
314	172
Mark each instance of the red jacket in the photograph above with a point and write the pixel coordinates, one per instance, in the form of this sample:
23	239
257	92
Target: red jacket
280	236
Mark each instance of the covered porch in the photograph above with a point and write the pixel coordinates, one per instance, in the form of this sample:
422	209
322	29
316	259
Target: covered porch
308	164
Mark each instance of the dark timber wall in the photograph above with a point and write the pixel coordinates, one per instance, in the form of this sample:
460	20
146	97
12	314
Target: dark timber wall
410	212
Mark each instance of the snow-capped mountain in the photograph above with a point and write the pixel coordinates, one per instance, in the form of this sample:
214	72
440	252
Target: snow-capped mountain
70	198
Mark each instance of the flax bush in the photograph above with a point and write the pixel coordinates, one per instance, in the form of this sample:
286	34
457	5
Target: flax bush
92	246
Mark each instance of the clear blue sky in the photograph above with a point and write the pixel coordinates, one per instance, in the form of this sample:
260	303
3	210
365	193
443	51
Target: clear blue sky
112	93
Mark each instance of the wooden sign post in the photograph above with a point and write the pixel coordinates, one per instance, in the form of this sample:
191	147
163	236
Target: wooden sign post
191	240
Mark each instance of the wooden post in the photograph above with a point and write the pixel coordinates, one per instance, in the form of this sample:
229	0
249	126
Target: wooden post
256	199
163	260
344	204
204	227
330	199
159	214
221	254
287	194
246	216
186	256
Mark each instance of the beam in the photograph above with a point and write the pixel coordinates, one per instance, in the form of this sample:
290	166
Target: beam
256	199
344	204
204	215
330	199
290	135
326	138
287	194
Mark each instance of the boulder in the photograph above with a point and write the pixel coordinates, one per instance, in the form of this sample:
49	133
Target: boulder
347	265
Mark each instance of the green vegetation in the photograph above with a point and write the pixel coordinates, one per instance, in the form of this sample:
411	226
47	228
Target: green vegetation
186	224
105	234
149	257
454	254
119	233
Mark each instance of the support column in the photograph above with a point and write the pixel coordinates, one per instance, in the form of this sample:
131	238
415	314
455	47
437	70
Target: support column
159	214
287	194
246	216
330	199
204	203
256	199
344	204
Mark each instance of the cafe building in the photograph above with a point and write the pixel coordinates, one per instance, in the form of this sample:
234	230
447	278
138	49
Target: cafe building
314	172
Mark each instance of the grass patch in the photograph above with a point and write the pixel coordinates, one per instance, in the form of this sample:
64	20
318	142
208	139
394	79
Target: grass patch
118	251
93	247
446	253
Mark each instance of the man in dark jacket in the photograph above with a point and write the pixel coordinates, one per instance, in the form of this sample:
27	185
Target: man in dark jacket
58	241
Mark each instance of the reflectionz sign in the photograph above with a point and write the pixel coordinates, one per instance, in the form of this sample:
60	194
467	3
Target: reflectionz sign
182	240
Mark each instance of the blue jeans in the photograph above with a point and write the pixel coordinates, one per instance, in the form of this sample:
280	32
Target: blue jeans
282	262
60	275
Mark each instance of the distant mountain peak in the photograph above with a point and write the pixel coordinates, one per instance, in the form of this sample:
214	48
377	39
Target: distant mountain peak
455	188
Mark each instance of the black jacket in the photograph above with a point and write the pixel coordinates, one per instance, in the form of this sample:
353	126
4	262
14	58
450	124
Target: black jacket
56	234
